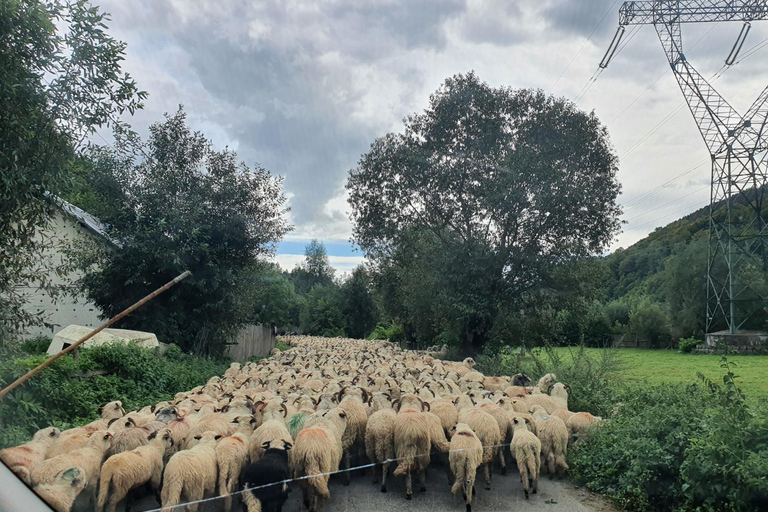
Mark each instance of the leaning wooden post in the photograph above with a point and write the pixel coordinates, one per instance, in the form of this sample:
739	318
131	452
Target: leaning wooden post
47	362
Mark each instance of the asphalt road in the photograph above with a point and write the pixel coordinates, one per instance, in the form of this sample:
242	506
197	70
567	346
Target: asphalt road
506	494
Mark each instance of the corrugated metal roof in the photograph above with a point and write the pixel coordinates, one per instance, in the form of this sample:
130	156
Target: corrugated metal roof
86	219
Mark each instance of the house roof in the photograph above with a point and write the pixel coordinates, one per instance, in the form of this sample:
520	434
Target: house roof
87	220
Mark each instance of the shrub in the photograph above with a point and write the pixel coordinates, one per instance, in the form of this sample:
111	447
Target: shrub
686	345
70	391
679	448
36	345
384	331
649	321
594	379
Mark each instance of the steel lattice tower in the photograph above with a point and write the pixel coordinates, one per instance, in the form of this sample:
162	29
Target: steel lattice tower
737	270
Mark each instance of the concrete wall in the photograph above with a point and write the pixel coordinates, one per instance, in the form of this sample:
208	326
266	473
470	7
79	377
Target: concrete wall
252	341
66	310
743	342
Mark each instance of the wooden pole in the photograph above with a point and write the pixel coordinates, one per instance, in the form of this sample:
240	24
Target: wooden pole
47	362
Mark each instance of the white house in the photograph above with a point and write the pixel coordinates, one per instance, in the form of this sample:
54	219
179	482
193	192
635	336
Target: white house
70	224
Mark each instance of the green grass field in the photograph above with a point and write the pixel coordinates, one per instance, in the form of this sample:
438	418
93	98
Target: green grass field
659	366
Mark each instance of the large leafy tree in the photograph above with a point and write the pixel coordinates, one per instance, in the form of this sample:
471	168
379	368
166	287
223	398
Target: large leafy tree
174	203
357	304
315	270
60	79
501	185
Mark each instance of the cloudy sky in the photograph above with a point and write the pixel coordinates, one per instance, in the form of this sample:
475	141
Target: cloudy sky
304	86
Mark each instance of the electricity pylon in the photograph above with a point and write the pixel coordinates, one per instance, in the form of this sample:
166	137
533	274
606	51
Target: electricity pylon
737	270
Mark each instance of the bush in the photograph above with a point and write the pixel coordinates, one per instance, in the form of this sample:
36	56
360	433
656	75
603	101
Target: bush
594	380
392	332
36	345
686	345
648	321
70	391
679	448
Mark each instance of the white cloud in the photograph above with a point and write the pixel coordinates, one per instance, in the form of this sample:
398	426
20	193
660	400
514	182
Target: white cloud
303	88
342	264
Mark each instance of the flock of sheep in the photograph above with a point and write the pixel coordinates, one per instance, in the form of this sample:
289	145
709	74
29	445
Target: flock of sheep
301	415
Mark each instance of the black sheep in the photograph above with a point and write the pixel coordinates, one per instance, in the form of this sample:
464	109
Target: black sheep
271	468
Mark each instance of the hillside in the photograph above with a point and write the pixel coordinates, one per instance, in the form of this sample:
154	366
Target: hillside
638	269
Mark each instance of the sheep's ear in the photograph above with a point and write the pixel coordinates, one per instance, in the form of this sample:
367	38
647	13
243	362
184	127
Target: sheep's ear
265	445
287	445
366	396
258	406
396	404
101	409
285	410
424	405
52	433
217	437
342	414
152	435
253	420
198	437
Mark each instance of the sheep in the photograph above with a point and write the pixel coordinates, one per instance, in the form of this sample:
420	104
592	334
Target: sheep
521	379
545	381
500	416
526	449
232	456
549	403
191	473
316	453
352	400
129	470
465	456
444	409
272	468
380	442
487	430
61	493
216	422
89	459
553	434
579	424
563	414
270	430
23	459
412	441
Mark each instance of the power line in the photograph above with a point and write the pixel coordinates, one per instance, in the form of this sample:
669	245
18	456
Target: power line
667	204
685	209
583	45
631	203
659	78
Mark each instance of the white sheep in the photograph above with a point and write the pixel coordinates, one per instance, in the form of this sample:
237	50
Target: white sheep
191	473
465	456
412	441
578	425
89	459
526	449
61	493
232	457
23	459
317	453
553	435
380	442
131	469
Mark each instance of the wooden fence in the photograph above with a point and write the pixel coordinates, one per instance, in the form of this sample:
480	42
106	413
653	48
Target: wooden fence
252	340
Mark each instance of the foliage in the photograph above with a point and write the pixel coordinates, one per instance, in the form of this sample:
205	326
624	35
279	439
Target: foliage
183	206
357	304
36	345
70	391
268	297
315	270
648	321
392	332
679	448
321	314
489	190
60	79
687	345
593	375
